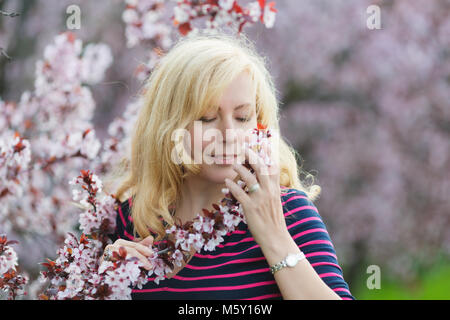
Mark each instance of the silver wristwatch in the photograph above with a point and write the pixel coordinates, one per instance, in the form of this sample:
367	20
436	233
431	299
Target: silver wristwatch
290	261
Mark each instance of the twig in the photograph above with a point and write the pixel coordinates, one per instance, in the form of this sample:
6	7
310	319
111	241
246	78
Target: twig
3	53
11	14
162	251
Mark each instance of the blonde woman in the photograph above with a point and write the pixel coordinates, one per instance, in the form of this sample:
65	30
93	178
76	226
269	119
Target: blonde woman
283	251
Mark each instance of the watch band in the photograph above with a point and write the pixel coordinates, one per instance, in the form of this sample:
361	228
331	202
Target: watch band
290	261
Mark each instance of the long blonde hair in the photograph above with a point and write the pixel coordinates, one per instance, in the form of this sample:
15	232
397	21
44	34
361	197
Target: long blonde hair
182	86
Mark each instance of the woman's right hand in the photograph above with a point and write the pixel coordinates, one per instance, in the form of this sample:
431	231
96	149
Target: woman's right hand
140	250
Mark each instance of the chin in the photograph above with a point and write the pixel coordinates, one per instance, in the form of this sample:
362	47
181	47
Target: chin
217	174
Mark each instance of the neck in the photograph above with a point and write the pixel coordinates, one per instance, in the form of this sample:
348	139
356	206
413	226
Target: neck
195	195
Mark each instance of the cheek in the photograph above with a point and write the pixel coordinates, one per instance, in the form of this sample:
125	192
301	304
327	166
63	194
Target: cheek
205	148
193	143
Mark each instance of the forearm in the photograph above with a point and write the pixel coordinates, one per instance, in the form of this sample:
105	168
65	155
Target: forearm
300	282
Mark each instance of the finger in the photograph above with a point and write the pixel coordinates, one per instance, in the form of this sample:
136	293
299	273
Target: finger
268	157
267	152
122	242
237	192
258	165
132	252
145	250
250	157
245	174
148	241
110	246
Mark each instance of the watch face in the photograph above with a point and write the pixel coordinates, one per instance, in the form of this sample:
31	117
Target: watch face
291	260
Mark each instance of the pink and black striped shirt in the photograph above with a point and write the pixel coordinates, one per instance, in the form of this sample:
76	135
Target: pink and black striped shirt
237	269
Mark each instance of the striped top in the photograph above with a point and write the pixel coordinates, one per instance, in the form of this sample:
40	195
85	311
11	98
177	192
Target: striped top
237	269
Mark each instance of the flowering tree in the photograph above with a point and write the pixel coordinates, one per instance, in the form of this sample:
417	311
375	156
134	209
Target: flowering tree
46	134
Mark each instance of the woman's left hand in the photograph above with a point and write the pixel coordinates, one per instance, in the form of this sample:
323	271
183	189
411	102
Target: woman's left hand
262	208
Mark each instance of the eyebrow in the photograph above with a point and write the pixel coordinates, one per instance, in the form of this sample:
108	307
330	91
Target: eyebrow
238	106
242	105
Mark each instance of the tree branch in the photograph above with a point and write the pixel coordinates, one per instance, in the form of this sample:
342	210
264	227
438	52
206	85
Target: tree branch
3	53
11	14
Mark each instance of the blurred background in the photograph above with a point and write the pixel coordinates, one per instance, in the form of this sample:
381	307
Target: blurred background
367	109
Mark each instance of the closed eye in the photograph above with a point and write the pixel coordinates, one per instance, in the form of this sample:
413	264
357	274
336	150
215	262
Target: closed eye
207	120
211	120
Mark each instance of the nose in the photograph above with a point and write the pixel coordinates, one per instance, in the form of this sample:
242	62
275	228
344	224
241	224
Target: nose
228	130
229	135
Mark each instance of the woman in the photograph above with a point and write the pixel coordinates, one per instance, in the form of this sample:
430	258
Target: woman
219	84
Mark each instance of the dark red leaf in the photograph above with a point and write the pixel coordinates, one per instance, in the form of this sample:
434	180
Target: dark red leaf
122	252
185	28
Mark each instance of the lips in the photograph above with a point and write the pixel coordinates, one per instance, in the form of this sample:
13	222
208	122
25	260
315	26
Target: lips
225	160
224	155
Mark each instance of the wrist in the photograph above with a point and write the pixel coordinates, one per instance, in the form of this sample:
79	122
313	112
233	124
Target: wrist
277	248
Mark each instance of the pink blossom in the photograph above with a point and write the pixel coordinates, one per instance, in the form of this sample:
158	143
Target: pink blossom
97	58
226	4
178	256
11	283
8	260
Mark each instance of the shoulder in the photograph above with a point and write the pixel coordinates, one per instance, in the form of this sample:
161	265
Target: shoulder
296	202
302	216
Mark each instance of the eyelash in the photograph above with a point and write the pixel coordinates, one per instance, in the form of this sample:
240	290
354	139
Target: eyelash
211	120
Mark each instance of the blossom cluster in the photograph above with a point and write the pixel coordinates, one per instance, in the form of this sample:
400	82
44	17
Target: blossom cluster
223	12
48	135
259	139
98	217
15	157
118	143
78	272
60	83
146	21
12	284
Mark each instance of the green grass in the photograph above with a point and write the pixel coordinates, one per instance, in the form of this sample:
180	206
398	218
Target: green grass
432	285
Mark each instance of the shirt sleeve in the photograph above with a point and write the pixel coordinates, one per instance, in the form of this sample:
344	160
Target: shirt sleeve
309	232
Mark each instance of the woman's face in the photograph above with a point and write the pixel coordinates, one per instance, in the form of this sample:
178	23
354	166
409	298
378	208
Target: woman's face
223	132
